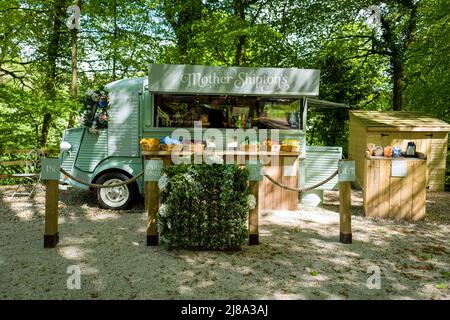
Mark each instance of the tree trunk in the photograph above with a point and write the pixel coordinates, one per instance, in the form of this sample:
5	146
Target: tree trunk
398	78
239	11
74	86
114	71
45	129
58	16
182	14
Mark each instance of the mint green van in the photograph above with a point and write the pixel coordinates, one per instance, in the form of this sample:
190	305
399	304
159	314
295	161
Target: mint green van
177	96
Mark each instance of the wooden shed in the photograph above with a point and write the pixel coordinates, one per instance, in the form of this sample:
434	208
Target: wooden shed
397	128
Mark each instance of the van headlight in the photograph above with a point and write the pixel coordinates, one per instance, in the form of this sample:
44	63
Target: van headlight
65	146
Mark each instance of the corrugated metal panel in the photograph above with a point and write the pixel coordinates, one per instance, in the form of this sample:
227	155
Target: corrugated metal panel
93	150
72	136
322	162
123	126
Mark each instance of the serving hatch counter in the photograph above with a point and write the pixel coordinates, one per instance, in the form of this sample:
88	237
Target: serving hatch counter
281	166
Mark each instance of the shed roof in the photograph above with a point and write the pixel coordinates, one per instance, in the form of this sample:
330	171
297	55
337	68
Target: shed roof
400	121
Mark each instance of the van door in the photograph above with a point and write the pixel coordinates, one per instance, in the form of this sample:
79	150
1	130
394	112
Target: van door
123	127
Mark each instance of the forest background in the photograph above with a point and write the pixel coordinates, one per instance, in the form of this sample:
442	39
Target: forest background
389	55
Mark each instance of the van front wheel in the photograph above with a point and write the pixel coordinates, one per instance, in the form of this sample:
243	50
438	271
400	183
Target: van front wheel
118	198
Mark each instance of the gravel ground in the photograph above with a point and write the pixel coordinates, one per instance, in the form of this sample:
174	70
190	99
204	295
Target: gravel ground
299	256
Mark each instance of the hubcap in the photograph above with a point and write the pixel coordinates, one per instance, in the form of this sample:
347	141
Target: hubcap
114	197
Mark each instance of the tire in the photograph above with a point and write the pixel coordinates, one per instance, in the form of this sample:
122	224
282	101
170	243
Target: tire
120	198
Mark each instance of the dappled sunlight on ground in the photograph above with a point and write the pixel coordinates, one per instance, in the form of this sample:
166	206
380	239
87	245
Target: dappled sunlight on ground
299	256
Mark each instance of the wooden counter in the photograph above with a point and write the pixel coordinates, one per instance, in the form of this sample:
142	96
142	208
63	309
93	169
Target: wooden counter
395	190
284	169
223	153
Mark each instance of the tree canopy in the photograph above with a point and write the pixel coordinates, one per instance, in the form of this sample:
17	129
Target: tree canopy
390	55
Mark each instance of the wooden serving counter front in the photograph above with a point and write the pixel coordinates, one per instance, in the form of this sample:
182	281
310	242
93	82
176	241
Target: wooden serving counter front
284	168
395	189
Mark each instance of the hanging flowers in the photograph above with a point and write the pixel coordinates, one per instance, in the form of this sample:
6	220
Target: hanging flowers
95	115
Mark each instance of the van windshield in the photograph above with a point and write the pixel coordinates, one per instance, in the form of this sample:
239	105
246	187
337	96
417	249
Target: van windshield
176	111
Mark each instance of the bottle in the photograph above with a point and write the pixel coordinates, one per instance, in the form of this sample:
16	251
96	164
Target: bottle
411	149
249	123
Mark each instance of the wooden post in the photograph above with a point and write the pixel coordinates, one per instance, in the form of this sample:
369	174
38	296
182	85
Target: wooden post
255	176
346	177
152	205
345	204
51	234
253	220
50	174
153	172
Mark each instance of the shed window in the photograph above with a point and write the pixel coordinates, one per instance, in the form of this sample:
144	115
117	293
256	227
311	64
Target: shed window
226	112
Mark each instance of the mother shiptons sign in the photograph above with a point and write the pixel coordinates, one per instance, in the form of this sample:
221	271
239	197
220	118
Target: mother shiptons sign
233	80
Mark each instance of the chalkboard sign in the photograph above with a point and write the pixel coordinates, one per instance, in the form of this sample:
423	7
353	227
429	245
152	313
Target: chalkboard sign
50	169
347	171
153	170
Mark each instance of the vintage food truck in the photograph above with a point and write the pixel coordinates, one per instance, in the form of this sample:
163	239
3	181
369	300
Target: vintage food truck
180	96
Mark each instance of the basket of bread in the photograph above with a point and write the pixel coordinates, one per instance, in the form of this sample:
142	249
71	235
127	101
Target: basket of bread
290	145
270	145
150	144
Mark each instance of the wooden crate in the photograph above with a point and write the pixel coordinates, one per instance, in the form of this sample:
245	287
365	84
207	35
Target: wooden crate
396	129
386	196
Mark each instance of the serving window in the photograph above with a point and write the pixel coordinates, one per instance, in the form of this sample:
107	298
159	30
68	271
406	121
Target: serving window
176	111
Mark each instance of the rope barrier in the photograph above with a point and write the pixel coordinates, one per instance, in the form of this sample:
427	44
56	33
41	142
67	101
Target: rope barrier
101	186
302	189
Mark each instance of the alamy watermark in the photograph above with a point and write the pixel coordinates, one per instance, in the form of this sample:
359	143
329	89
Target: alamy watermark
227	146
374	280
74	280
375	14
73	22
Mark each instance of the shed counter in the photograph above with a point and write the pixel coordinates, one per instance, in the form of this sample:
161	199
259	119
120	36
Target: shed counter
395	187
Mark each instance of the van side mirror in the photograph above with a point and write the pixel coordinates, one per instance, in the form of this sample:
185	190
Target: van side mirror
65	147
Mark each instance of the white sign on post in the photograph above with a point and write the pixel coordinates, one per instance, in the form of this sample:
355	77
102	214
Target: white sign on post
346	170
50	169
399	168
